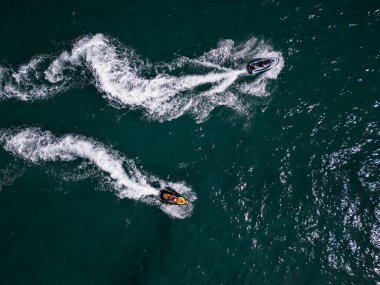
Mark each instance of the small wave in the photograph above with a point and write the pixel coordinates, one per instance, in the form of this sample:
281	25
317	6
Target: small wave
160	89
128	181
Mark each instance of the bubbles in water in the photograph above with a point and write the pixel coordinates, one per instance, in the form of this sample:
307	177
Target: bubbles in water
217	78
128	181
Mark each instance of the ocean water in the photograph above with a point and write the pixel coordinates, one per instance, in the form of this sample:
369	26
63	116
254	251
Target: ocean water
102	104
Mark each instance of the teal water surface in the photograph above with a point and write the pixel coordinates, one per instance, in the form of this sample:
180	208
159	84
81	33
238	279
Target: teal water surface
104	103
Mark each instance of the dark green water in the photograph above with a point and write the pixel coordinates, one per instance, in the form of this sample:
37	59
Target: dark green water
282	168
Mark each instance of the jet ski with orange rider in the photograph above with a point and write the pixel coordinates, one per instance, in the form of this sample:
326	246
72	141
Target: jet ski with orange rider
169	195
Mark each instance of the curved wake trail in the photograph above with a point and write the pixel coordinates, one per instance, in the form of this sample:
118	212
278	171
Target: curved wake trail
213	79
127	180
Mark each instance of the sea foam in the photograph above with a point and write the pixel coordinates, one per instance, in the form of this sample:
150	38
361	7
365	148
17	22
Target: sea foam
161	90
127	180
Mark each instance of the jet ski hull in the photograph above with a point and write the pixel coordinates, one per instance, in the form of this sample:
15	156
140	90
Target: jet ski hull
259	65
170	196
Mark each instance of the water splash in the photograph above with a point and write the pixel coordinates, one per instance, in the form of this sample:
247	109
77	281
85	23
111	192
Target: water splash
127	180
214	79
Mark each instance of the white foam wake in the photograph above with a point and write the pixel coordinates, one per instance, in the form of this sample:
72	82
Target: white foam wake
161	90
128	181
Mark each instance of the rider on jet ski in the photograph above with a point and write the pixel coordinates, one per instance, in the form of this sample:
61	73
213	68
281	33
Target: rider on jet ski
261	63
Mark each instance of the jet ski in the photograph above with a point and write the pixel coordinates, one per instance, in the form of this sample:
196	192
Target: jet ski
261	64
170	196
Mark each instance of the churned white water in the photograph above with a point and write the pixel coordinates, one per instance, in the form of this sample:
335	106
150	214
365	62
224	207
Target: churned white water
128	181
216	78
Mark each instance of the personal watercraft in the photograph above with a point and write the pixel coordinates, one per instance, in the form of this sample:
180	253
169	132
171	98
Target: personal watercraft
261	64
170	196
